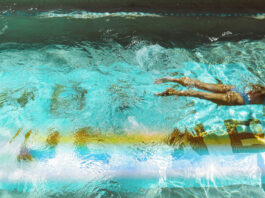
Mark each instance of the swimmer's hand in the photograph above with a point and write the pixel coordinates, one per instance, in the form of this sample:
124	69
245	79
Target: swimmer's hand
163	80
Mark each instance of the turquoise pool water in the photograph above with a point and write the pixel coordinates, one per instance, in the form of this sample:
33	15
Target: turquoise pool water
109	86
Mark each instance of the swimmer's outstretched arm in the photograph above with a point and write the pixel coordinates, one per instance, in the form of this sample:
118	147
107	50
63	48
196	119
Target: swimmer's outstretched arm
186	81
229	98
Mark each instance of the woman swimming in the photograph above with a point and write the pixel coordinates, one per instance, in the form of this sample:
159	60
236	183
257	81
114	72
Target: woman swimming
222	94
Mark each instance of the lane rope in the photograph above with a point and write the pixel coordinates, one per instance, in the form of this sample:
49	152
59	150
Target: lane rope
84	14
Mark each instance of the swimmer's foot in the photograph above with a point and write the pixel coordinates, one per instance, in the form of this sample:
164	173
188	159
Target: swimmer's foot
163	80
185	81
168	92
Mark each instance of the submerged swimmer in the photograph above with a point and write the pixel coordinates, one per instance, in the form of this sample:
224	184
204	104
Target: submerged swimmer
222	94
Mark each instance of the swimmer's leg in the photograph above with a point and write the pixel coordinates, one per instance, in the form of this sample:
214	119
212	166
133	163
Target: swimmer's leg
229	98
186	81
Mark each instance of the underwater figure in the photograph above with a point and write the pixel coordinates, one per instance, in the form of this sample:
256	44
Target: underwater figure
222	94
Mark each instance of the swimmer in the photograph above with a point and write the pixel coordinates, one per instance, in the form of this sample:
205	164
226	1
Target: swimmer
221	94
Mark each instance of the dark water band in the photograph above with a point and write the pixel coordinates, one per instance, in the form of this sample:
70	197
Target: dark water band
188	31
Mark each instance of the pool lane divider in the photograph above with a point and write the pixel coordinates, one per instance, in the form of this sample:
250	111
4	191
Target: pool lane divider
199	140
178	138
84	14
